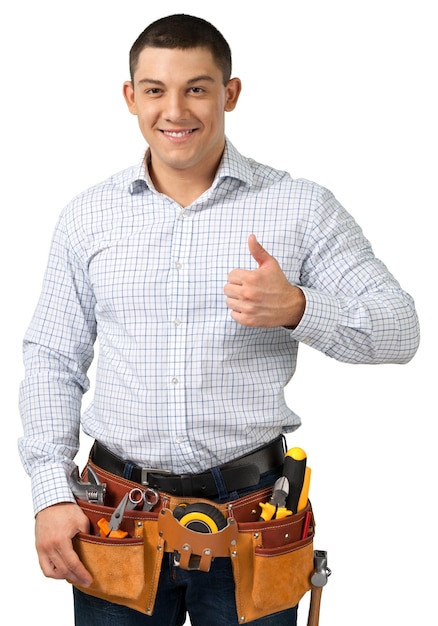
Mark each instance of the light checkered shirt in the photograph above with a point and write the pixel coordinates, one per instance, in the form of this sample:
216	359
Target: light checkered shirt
179	384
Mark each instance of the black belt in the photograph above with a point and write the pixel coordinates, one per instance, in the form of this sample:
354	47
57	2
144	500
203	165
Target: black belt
240	473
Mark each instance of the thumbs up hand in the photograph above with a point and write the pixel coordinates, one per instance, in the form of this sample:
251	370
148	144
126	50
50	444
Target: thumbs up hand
263	297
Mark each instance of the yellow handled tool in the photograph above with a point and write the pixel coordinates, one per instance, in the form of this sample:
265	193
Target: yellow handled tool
276	507
304	495
294	470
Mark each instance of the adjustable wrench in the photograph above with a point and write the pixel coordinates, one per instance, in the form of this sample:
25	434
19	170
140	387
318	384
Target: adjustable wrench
93	491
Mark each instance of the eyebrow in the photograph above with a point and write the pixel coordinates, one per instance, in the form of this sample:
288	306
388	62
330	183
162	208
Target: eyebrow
196	79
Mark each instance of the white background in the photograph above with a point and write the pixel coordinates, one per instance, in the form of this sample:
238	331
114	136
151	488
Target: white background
341	92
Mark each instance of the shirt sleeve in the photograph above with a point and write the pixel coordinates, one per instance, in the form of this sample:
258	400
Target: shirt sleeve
58	349
356	311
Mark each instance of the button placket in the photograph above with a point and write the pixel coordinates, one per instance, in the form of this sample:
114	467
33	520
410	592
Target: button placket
178	301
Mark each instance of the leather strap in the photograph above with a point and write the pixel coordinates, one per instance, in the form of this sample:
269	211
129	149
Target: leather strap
240	473
205	546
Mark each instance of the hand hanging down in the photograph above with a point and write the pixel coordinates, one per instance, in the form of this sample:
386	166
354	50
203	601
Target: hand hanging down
263	297
54	529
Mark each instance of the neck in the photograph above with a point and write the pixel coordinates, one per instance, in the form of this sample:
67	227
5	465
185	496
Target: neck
182	185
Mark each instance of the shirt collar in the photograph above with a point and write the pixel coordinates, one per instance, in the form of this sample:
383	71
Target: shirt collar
232	165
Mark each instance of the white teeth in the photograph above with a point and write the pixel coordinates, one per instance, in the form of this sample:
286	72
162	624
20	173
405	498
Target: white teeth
177	134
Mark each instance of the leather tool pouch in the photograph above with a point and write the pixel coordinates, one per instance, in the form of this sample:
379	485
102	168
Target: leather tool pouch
272	565
126	571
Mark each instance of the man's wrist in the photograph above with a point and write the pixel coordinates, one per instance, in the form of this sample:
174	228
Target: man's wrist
298	308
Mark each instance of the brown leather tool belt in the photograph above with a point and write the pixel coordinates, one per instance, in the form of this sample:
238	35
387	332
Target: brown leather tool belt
127	570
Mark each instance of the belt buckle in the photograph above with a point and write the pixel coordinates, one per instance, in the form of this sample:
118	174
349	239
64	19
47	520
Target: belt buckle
145	471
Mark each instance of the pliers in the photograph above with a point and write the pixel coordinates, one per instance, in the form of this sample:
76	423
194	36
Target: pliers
112	528
130	501
276	507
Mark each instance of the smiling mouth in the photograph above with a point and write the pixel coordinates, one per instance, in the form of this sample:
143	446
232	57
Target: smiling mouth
177	133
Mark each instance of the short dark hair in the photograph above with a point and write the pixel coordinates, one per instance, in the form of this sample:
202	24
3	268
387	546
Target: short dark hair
184	32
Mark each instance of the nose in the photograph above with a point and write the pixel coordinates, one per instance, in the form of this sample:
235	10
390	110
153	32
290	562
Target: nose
176	107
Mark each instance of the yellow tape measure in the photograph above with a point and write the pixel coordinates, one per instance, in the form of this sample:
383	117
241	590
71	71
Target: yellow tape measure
200	517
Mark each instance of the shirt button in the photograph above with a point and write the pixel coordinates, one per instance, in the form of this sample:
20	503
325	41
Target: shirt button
183	215
178	265
177	322
175	381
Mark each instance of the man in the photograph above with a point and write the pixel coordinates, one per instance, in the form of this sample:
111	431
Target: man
199	271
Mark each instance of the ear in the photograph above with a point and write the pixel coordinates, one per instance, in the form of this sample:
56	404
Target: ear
128	94
232	92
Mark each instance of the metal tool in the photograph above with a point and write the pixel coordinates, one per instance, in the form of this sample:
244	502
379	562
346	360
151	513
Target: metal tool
112	528
318	580
92	491
149	497
321	572
276	507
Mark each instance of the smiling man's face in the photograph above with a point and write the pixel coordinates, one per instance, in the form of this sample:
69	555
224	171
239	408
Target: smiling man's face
180	101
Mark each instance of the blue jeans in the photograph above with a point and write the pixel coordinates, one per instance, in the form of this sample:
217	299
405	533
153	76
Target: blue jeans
208	597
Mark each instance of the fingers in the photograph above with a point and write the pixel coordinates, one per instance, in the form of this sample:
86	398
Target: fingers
55	528
257	251
259	254
263	297
239	292
240	277
62	562
244	301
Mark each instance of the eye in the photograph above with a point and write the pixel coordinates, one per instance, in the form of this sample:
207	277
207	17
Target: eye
197	90
153	91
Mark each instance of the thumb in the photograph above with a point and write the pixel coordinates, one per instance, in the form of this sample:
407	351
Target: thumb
257	251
